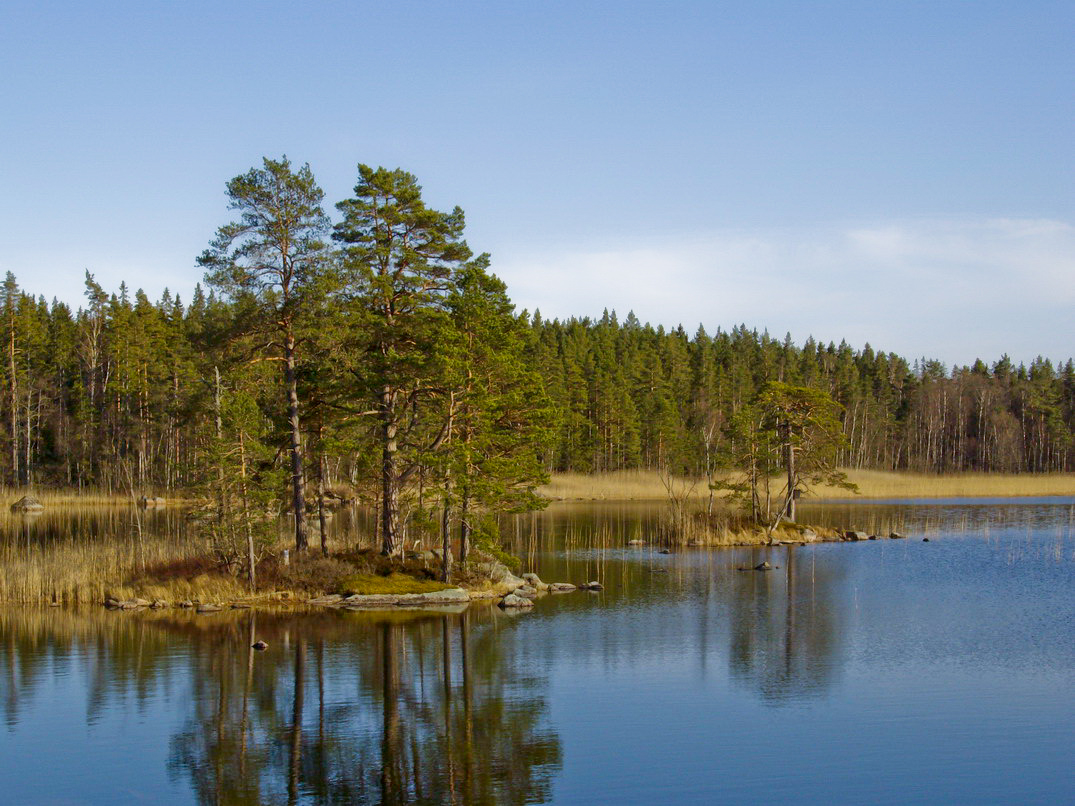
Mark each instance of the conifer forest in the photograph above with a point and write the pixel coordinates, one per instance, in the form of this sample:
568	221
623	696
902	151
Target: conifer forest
376	350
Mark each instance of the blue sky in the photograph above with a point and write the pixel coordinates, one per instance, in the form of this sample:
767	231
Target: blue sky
901	173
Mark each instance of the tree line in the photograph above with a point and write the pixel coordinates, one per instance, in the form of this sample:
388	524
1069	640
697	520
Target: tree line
377	351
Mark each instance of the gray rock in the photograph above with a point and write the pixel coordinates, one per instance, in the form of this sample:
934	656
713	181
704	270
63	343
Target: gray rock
28	503
592	586
526	591
852	535
562	587
511	600
896	536
534	581
450	596
763	566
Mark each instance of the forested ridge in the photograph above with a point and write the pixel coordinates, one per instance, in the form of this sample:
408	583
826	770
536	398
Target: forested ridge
124	391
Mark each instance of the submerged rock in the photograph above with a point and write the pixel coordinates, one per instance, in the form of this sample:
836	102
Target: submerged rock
896	536
511	600
763	566
28	503
636	542
592	586
209	608
260	646
562	587
852	535
925	539
526	591
665	551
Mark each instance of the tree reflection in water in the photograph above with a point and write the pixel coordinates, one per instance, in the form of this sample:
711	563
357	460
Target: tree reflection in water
785	631
403	714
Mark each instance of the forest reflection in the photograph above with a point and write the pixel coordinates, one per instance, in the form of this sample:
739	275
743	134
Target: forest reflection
342	707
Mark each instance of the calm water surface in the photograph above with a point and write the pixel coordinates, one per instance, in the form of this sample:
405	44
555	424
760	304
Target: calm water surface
875	672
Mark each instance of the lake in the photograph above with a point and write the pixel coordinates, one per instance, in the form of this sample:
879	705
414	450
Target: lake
888	671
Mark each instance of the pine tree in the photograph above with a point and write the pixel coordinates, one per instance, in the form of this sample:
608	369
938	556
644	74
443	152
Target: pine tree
270	263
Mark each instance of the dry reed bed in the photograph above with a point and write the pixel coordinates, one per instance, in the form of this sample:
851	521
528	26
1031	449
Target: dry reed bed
647	485
73	571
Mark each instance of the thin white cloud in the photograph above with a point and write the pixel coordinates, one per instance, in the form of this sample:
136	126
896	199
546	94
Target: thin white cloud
955	290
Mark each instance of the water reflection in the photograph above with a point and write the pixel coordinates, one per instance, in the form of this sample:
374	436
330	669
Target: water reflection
785	629
342	708
958	650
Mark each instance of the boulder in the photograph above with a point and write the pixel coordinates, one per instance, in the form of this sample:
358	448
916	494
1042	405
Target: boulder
502	580
925	539
665	551
636	542
873	537
561	587
526	591
209	608
158	604
187	604
534	581
592	586
763	566
27	503
260	646
853	535
511	600
896	536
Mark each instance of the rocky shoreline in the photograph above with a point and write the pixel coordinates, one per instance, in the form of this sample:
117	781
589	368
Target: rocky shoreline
499	583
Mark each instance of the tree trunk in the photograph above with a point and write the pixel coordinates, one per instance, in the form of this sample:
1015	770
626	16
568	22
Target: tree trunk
446	540
298	501
321	488
791	480
464	525
390	542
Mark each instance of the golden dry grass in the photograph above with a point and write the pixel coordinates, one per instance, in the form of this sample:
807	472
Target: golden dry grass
887	484
620	485
646	485
73	570
68	497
